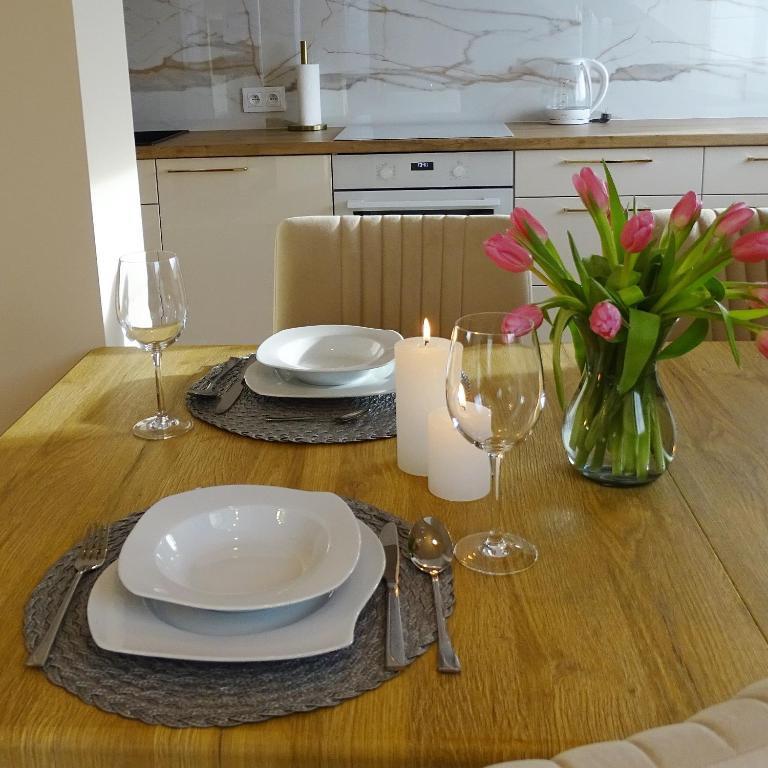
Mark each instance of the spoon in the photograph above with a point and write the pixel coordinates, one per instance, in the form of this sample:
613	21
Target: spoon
341	419
431	550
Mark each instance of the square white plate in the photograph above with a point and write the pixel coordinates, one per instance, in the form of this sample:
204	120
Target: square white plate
122	622
240	547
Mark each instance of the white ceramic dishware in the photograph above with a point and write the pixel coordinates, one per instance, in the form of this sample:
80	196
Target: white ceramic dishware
122	622
269	382
240	547
328	355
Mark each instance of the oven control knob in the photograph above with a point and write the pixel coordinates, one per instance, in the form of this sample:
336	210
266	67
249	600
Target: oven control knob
459	171
386	171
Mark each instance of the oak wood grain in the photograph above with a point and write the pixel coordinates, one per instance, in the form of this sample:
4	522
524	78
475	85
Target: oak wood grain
629	620
699	132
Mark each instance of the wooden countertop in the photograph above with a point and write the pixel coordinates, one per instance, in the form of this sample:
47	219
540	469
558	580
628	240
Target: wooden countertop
646	605
709	132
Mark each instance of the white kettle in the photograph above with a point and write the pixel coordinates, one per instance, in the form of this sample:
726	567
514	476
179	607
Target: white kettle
573	98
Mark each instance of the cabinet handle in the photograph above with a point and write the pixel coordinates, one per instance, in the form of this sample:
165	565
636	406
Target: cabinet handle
207	170
608	162
584	210
752	159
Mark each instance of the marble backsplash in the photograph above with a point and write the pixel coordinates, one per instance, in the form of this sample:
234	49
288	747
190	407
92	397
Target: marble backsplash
441	60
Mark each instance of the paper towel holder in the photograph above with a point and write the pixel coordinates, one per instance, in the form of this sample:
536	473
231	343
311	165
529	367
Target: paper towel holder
304	58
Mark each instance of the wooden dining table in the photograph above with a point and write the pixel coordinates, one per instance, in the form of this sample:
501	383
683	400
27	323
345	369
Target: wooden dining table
647	604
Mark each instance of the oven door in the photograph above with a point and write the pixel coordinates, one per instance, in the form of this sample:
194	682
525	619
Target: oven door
477	201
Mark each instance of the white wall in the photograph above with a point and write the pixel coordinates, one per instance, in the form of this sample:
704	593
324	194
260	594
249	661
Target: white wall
50	303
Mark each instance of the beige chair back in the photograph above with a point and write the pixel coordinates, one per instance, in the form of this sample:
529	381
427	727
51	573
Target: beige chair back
390	271
756	273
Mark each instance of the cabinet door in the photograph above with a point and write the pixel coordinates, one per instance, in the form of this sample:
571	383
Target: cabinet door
741	171
150	221
220	216
561	215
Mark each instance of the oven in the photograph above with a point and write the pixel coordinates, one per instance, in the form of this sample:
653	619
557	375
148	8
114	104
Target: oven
459	183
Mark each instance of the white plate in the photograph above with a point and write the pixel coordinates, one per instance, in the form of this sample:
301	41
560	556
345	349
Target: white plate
240	547
121	622
328	354
270	382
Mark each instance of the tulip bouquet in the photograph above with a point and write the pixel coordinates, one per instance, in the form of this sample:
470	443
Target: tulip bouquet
620	306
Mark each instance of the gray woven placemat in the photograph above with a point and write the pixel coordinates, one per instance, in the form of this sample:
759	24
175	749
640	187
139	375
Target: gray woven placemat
246	416
200	694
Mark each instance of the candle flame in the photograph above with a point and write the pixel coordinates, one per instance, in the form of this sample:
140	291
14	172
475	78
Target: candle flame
425	332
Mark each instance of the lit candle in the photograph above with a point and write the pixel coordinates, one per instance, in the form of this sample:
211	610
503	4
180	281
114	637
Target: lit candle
420	368
458	471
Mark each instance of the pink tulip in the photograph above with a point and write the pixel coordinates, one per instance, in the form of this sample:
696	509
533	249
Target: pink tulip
591	189
637	232
762	343
605	320
522	320
734	219
507	254
686	211
521	220
759	297
752	247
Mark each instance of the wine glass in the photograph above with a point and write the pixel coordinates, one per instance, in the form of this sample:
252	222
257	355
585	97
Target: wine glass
495	393
152	310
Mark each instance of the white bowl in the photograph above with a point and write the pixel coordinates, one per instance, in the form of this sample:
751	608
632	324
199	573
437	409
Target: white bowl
240	548
328	354
121	622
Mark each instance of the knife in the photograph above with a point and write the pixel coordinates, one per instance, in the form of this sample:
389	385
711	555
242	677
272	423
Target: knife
229	395
395	658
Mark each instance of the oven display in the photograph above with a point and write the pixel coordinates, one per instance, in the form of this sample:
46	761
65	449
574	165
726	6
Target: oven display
423	165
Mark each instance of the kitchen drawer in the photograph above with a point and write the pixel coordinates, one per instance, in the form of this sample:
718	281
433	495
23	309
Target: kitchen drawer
735	170
147	182
561	215
723	201
544	173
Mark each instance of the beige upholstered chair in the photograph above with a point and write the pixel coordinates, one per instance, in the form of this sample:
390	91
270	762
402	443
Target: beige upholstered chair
390	271
735	270
733	734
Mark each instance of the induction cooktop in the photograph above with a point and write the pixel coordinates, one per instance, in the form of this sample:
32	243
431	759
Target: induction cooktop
146	138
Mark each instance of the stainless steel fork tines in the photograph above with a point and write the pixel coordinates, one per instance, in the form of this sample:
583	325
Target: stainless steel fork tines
91	553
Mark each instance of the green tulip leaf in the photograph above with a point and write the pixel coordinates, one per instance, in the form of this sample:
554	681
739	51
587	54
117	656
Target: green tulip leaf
748	314
597	267
631	295
641	342
686	341
715	288
561	321
730	335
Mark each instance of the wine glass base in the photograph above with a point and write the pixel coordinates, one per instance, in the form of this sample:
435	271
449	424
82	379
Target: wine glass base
498	554
159	427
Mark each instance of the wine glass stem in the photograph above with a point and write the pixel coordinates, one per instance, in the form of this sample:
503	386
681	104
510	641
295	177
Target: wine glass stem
156	359
495	539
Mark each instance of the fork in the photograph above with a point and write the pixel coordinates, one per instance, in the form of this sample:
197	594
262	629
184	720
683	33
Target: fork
209	389
91	554
341	419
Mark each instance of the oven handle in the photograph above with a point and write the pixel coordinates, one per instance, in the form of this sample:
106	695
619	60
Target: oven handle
386	205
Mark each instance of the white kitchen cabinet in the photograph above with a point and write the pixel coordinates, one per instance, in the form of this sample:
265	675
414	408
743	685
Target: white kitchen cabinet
740	171
150	209
548	173
220	216
723	201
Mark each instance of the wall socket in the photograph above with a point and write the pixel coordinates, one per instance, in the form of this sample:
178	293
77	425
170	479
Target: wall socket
269	98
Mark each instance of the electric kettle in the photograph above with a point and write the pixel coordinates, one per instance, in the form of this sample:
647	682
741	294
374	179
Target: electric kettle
572	99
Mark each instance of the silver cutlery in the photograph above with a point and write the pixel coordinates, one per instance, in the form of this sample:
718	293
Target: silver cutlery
395	651
209	388
91	553
230	395
431	550
340	419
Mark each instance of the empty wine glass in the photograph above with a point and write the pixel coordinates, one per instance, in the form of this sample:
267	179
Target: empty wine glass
152	310
495	393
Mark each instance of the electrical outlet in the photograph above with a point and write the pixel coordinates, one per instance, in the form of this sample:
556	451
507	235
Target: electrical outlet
265	99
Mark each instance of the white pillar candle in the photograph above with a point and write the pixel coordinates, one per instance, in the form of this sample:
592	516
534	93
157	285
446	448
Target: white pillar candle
420	367
458	471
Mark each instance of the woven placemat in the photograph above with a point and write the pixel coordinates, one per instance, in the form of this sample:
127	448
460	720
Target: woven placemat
247	416
200	694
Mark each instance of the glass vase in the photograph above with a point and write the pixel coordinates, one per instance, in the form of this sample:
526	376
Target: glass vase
616	438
